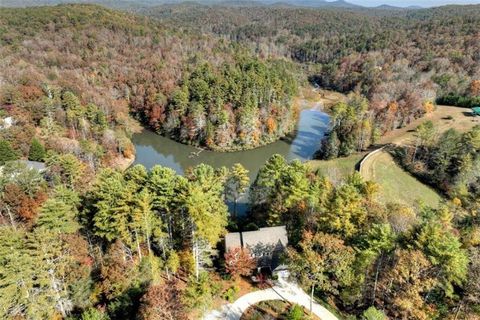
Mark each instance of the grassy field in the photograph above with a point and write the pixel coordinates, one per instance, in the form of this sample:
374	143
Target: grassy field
337	169
397	185
443	117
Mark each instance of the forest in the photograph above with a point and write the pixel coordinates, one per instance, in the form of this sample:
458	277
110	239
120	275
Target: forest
195	89
142	243
448	161
403	62
92	237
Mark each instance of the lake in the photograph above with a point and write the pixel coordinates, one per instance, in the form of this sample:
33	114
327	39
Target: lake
152	149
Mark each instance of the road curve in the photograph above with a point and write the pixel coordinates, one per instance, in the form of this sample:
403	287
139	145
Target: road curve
284	291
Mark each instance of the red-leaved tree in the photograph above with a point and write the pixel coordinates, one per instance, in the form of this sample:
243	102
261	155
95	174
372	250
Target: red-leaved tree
239	262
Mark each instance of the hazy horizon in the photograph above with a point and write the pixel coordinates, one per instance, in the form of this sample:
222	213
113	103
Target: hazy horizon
406	3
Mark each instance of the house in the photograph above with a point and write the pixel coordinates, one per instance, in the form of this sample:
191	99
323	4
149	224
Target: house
281	272
266	245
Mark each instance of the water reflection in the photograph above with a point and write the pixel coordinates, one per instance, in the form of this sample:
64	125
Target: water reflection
153	149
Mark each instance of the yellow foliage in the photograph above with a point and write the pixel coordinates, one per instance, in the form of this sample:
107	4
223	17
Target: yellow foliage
209	142
392	107
456	201
187	262
475	88
428	106
255	137
296	108
473	237
129	151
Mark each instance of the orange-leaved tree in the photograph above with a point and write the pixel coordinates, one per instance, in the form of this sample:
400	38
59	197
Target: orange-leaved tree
239	262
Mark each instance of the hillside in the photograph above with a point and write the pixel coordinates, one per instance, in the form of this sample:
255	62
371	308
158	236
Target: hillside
194	88
132	4
402	61
86	235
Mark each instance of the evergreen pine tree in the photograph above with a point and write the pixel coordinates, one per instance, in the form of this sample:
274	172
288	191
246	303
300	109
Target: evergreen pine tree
331	146
6	152
37	151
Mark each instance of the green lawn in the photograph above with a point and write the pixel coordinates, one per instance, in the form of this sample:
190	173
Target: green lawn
337	169
397	185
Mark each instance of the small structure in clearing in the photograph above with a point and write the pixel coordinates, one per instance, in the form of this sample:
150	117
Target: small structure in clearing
476	111
33	165
6	123
266	245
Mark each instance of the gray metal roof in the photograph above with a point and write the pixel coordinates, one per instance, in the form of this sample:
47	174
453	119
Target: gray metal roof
36	165
232	240
264	236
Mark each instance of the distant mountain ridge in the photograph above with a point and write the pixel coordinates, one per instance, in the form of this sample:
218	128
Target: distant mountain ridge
390	7
321	3
128	4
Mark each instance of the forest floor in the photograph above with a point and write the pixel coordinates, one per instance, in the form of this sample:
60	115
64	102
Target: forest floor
123	163
397	185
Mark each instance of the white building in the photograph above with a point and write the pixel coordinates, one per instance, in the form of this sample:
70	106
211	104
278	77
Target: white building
6	123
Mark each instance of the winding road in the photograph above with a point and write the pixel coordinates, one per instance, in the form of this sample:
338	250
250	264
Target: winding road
286	291
395	180
444	118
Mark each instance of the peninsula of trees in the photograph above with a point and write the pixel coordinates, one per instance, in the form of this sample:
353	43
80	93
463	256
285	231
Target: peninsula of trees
195	89
402	61
82	239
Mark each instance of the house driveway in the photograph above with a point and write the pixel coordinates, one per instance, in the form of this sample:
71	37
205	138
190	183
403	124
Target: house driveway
283	291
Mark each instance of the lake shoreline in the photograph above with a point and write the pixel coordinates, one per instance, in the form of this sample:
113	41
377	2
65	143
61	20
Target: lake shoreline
302	143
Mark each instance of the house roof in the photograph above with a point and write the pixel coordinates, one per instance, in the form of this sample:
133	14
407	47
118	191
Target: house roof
265	236
232	240
262	237
281	267
36	165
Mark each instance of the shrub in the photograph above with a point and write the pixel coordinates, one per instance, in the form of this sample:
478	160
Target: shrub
251	227
295	313
373	313
6	152
231	294
37	151
94	314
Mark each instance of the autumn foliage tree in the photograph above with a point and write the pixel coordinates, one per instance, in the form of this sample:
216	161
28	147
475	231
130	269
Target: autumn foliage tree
239	262
163	302
404	284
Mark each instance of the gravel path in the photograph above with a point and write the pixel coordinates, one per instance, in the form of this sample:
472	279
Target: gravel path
283	291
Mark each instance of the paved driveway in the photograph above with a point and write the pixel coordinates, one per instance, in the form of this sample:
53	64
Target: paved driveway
284	291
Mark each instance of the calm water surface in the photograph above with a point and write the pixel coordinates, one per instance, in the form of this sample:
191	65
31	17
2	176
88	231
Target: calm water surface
154	149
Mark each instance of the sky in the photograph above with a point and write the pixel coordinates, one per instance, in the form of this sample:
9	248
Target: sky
406	3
